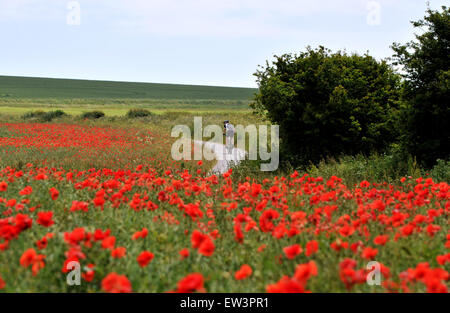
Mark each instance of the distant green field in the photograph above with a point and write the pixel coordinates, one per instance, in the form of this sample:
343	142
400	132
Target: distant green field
12	87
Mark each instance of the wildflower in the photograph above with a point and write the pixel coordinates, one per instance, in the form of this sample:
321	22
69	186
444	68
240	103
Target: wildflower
109	242
190	283
79	206
54	193
369	253
77	235
197	238
118	252
346	231
262	247
45	219
184	253
28	257
42	243
292	251
303	272
114	283
407	230
244	272
89	274
442	259
311	247
381	240
145	258
26	191
286	285
206	247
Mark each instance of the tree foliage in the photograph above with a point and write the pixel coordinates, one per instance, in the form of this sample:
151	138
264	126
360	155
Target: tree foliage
328	104
425	66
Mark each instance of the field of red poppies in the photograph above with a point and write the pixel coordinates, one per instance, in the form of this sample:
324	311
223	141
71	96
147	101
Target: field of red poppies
112	201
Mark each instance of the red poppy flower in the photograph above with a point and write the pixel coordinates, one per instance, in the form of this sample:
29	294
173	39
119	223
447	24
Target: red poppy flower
346	231
197	238
28	257
286	285
89	274
38	264
145	258
100	235
238	235
190	283
45	219
381	240
118	252
67	267
2	283
3	186
184	253
432	229
369	253
262	247
442	259
42	243
364	184
23	221
206	247
77	235
26	191
311	247
79	206
244	272
292	251
54	193
114	283
109	242
407	230
11	203
303	272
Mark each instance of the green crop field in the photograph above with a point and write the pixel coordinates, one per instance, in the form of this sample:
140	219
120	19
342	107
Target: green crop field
38	88
19	95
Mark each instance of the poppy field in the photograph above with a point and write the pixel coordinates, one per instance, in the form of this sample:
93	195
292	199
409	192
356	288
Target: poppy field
113	201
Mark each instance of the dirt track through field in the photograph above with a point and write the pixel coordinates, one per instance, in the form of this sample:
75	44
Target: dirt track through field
224	160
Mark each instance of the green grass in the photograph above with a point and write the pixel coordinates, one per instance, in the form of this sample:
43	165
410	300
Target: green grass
19	95
38	88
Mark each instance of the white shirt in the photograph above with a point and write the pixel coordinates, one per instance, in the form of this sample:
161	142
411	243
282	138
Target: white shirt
229	129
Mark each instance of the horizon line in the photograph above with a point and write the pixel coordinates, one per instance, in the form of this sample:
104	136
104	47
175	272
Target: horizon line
125	81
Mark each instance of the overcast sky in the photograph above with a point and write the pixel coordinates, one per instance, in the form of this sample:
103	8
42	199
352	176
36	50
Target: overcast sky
203	42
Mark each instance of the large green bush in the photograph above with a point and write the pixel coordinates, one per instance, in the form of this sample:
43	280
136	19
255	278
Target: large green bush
426	67
328	104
